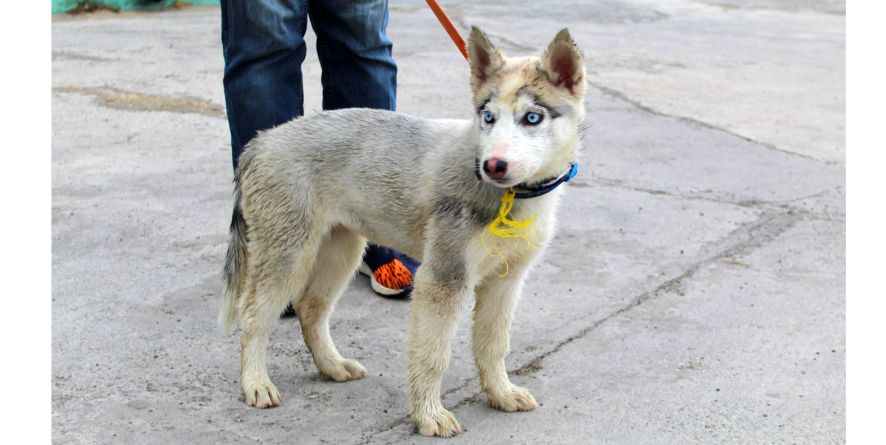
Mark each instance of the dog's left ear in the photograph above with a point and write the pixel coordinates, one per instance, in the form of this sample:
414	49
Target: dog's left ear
564	65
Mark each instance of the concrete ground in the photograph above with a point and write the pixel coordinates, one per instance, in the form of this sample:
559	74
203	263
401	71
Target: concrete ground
694	292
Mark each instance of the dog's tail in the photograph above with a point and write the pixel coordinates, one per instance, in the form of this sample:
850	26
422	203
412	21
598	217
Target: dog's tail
235	261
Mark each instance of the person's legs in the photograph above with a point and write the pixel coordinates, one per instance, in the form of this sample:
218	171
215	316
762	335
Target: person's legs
355	54
359	71
263	50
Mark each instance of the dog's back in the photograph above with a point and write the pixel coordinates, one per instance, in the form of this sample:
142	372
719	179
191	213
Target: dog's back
310	192
370	170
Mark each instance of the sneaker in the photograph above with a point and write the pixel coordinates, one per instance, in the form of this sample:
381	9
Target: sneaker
390	272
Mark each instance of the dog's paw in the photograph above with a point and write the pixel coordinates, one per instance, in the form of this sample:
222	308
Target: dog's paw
440	422
343	370
513	399
261	394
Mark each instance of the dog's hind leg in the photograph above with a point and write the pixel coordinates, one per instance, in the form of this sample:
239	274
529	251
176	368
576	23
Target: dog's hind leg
257	317
270	285
336	261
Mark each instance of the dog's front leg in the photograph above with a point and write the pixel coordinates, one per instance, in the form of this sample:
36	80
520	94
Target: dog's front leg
496	299
435	305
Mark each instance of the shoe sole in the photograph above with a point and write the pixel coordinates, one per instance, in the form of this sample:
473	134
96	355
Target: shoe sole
376	286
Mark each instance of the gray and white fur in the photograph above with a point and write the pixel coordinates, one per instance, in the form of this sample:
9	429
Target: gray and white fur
309	193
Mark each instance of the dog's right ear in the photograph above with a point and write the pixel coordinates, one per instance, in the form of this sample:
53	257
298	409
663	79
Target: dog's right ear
484	58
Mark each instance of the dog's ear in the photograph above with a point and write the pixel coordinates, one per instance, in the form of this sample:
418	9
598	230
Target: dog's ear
563	64
483	57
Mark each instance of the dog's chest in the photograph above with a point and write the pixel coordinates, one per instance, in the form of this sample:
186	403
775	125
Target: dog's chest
496	251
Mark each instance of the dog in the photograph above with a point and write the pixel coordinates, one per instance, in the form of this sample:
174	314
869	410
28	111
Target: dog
309	193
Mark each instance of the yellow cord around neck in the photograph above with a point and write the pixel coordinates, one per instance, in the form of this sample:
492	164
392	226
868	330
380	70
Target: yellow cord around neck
503	227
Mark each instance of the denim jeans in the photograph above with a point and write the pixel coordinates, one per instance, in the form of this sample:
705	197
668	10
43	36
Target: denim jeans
264	48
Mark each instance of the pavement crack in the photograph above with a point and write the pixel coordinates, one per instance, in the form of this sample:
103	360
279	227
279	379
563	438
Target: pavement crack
65	55
768	226
613	93
712	196
367	437
510	44
608	182
134	101
457	16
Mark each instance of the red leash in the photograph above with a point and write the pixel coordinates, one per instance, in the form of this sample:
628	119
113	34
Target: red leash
449	27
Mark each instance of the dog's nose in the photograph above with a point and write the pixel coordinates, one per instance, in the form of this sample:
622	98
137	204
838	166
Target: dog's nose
495	168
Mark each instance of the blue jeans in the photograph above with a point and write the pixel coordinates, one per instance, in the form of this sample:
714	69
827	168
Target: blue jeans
264	48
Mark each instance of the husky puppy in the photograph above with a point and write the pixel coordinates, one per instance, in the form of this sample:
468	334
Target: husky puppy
309	193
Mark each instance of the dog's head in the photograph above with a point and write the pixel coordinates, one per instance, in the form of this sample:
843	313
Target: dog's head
529	109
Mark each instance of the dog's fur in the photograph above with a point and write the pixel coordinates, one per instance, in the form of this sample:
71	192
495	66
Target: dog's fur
310	192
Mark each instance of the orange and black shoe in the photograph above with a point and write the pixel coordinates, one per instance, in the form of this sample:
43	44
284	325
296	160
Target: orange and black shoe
390	272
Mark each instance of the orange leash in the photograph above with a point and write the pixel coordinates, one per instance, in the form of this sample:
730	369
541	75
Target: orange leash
449	27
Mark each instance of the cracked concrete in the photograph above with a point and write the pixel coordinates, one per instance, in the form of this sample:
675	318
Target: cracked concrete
743	67
743	240
694	292
620	95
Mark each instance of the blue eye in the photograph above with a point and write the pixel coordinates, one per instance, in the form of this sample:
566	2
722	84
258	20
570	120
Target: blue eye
488	117
532	118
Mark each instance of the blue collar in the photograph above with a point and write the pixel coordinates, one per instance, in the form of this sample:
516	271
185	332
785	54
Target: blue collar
525	191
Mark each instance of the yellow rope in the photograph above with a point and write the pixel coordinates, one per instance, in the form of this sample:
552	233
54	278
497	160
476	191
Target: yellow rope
503	227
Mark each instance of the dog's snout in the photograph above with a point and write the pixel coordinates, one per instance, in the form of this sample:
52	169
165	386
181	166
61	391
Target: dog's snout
495	168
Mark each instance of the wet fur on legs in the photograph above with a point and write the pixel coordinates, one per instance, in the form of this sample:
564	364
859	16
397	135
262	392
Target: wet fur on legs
309	193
